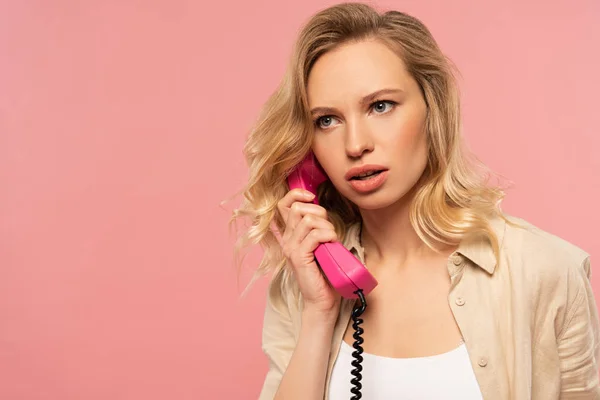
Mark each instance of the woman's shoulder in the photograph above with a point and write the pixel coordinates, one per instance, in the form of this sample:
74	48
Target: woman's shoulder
536	247
544	259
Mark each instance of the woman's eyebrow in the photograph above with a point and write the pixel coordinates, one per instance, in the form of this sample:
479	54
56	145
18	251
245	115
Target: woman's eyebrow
364	101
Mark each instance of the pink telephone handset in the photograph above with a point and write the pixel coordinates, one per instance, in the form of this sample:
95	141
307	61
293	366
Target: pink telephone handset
344	271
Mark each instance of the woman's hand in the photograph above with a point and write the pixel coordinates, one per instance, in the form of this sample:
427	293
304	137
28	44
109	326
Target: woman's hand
306	227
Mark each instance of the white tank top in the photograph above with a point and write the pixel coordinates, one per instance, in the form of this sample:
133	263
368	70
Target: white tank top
444	376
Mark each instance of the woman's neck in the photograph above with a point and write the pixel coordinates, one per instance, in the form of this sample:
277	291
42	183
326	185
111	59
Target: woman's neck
389	238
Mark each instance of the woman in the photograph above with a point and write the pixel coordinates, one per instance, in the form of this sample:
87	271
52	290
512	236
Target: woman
471	303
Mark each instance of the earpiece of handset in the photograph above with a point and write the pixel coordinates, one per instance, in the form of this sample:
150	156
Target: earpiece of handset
344	271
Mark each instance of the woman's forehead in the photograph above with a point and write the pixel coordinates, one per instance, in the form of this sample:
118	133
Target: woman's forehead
353	71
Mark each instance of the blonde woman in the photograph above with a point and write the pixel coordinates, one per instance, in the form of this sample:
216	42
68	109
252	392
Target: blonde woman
471	303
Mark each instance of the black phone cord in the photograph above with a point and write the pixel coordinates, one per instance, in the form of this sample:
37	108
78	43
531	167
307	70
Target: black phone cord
358	310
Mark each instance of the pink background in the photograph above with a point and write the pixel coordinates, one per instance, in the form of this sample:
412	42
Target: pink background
121	128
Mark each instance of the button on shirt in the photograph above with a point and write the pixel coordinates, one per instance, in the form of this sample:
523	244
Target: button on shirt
529	318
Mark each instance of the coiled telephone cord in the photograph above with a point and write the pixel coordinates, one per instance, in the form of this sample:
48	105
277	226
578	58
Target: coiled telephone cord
358	310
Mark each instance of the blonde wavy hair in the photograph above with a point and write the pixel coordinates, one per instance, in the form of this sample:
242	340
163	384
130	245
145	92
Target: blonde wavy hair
454	199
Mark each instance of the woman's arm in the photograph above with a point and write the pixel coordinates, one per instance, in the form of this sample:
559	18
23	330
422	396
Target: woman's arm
578	341
305	375
297	369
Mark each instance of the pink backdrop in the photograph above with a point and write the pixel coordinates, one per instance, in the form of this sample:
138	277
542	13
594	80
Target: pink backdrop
121	128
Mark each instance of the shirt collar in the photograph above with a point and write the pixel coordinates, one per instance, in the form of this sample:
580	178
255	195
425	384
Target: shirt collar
476	248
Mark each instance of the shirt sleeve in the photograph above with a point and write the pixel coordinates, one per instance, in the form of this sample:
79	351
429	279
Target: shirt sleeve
578	342
278	342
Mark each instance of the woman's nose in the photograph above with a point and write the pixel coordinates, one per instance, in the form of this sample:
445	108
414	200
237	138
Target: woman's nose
358	139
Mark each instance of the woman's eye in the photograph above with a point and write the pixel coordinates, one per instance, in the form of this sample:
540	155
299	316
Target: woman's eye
324	122
380	106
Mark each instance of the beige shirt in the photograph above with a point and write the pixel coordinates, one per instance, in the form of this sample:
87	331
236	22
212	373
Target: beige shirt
529	322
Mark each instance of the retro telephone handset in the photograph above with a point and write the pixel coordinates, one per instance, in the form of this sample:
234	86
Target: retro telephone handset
348	276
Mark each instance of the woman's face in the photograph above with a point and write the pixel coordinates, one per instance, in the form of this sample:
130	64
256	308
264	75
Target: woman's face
367	109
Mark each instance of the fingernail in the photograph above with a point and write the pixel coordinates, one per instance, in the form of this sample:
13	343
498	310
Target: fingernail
309	195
